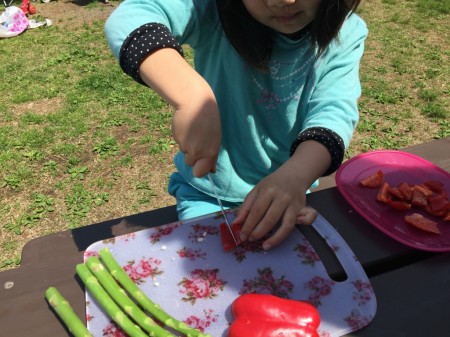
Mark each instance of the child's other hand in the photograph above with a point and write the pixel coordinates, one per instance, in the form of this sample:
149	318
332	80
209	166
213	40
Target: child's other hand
277	199
280	198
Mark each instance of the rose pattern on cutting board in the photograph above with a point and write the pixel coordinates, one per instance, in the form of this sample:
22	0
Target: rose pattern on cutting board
142	269
201	284
266	283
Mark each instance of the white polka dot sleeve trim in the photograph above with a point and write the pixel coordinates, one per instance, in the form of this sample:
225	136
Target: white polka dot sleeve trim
330	139
142	42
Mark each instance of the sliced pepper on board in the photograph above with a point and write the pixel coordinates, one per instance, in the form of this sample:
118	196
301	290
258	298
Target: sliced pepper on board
264	315
227	240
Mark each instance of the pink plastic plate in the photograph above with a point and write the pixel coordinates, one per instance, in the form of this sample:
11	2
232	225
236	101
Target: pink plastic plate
397	167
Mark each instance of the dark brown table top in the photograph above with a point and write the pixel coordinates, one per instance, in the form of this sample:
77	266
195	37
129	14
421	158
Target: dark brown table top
412	287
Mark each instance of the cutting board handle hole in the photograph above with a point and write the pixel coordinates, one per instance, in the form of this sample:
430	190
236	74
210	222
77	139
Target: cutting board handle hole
326	254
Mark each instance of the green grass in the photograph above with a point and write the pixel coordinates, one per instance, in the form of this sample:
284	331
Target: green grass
72	128
405	74
80	142
431	8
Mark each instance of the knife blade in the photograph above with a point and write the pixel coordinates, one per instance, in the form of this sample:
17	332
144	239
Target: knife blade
213	186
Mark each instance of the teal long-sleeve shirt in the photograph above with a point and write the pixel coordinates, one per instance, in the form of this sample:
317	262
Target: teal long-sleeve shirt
261	113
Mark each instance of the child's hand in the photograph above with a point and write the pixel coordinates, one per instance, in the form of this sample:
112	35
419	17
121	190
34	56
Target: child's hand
275	200
280	198
196	123
196	129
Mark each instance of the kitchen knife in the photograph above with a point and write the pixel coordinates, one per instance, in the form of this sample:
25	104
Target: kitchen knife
221	208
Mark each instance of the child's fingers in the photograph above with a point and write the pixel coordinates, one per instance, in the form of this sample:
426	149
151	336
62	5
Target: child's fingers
243	212
189	159
203	166
287	226
306	216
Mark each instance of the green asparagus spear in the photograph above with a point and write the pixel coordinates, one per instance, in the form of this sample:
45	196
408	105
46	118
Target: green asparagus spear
122	278
66	313
121	298
107	303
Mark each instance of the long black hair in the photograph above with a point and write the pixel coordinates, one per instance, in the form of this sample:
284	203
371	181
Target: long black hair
253	41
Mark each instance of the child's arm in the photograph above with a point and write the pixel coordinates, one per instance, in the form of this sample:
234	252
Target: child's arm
281	196
196	123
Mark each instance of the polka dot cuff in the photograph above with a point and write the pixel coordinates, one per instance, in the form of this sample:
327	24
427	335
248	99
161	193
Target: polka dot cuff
330	139
142	42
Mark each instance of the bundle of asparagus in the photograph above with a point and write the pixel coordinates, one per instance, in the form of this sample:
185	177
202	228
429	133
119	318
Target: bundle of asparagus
112	288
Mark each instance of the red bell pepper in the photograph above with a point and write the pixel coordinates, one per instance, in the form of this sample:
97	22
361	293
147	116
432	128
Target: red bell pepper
263	315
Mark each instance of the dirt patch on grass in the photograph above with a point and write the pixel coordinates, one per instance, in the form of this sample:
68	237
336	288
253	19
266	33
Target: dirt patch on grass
41	107
65	13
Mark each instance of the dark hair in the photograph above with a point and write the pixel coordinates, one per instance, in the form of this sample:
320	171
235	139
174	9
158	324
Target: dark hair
253	41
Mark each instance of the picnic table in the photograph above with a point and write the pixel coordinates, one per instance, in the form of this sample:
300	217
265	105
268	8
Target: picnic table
412	286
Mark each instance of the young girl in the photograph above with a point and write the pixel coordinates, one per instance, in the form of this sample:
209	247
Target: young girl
270	107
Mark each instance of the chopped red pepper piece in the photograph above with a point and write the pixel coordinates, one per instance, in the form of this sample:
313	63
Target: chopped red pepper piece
435	186
447	217
406	190
228	243
439	202
374	180
395	191
383	193
399	205
433	212
426	190
419	196
419	221
438	205
263	315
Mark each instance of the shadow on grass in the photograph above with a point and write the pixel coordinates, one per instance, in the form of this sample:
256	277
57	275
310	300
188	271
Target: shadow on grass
83	3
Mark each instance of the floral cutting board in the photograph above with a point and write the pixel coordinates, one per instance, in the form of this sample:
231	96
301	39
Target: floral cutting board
182	267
